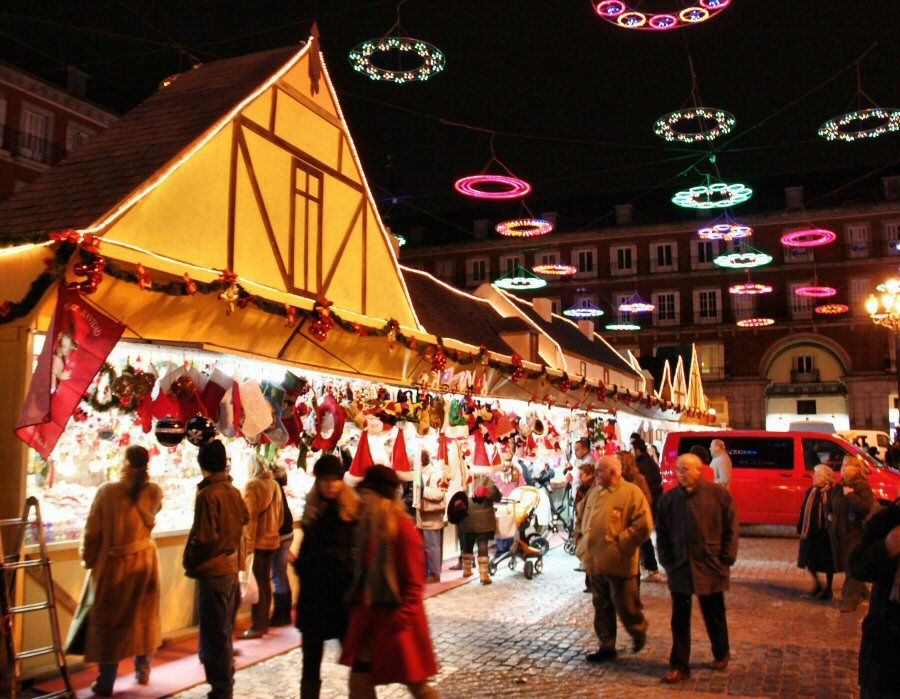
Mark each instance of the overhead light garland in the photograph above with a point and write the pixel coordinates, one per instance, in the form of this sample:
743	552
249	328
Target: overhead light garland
832	309
744	257
712	122
749	289
808	238
490	186
623	14
558	270
713	196
755	322
623	327
635	304
844	127
524	228
724	231
815	291
520	279
587	310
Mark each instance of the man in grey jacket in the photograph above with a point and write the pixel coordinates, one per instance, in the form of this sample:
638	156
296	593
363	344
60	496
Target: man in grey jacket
615	522
721	463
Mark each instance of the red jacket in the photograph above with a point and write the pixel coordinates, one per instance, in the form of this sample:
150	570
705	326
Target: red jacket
398	637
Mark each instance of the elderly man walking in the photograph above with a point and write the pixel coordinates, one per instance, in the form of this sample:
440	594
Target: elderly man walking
615	522
697	542
720	463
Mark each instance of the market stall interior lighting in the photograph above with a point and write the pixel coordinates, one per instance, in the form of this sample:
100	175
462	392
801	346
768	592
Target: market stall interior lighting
524	228
718	195
808	238
588	310
623	327
635	304
520	279
708	125
558	270
755	322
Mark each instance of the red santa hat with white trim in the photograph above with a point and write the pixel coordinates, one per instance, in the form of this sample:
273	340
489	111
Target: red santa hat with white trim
400	459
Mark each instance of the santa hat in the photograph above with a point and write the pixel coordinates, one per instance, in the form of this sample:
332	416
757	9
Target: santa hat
362	461
329	418
399	459
441	455
502	425
530	445
480	461
497	460
214	391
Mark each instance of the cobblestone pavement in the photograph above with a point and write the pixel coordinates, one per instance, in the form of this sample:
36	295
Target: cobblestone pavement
519	638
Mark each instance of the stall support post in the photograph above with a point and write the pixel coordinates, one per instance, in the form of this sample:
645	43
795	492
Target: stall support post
16	359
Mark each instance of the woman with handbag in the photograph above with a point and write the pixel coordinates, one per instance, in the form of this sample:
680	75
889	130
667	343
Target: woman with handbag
432	502
118	615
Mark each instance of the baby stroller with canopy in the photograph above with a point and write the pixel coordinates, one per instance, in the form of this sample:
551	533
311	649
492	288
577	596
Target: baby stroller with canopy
514	515
562	515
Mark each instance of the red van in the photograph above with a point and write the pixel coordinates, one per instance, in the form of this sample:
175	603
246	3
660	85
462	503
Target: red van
773	470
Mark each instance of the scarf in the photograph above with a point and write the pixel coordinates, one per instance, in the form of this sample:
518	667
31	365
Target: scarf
813	511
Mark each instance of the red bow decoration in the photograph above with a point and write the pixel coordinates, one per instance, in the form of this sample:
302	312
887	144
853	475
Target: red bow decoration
226	276
518	371
290	316
322	322
438	359
190	286
5	309
143	278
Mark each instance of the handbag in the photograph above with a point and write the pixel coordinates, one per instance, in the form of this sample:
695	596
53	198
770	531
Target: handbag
428	504
249	588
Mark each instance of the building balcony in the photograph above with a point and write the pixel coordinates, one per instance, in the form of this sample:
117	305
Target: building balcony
822	388
811	376
24	145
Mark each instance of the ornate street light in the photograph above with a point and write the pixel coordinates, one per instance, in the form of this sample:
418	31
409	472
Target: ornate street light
884	310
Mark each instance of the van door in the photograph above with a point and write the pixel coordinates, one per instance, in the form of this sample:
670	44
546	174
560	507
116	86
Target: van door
822	451
766	484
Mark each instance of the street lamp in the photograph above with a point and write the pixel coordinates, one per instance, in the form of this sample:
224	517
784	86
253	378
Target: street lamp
884	310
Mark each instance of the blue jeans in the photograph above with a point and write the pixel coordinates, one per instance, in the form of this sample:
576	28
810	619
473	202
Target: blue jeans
108	671
280	583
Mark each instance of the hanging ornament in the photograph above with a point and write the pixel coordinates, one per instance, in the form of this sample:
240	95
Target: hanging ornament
863	123
635	304
708	123
749	289
808	238
755	322
169	431
322	320
493	186
718	195
832	309
585	310
524	228
190	286
143	278
200	430
290	315
623	327
556	270
724	231
438	359
742	257
520	279
230	296
518	371
623	13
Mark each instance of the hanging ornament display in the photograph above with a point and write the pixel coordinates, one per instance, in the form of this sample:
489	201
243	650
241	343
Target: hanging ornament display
623	327
370	58
743	257
755	322
401	241
322	320
832	309
635	304
816	291
492	186
554	270
718	195
520	279
749	289
724	231
624	14
585	310
708	123
438	359
518	371
169	432
524	228
808	238
863	123
199	430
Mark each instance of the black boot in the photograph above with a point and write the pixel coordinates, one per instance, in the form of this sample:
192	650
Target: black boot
281	614
309	689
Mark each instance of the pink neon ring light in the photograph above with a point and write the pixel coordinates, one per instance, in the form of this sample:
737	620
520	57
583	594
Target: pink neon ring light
755	322
472	186
554	270
808	238
832	309
815	291
623	14
524	228
749	289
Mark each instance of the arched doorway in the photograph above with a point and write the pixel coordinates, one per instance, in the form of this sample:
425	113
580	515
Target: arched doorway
805	383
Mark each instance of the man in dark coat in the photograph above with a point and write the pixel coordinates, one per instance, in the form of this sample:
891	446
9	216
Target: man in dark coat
697	540
877	559
850	504
649	469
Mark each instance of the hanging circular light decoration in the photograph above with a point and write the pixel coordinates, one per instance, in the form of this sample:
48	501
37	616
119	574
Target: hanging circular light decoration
711	124
622	14
808	238
713	196
755	322
524	228
832	309
815	291
635	304
725	231
520	279
742	258
554	270
492	187
587	311
863	123
623	327
401	241
749	289
365	59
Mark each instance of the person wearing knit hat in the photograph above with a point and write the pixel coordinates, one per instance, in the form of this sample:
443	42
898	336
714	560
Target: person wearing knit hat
324	566
212	457
388	639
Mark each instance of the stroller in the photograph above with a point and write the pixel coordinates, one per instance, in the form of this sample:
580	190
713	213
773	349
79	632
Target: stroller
562	516
514	515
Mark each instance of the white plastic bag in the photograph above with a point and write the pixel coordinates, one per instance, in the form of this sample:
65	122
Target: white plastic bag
249	589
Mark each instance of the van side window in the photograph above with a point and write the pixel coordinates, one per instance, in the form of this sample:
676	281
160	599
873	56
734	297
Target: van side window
822	451
750	452
883	441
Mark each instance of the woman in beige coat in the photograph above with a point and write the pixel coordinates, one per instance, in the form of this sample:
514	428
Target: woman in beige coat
118	615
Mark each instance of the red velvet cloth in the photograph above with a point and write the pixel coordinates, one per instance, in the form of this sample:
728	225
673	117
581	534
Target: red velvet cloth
398	637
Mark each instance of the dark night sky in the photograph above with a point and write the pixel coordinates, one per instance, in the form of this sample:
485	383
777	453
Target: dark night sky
584	92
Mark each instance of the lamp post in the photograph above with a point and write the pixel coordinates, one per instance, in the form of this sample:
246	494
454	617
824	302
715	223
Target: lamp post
884	310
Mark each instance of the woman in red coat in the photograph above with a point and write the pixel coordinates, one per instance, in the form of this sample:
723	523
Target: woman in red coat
388	639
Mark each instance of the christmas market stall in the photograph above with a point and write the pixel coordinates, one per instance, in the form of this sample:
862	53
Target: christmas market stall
214	264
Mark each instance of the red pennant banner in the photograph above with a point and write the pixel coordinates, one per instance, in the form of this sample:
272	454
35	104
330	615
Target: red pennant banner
79	340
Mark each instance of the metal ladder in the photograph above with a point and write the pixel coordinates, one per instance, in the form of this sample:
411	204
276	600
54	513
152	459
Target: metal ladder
10	563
